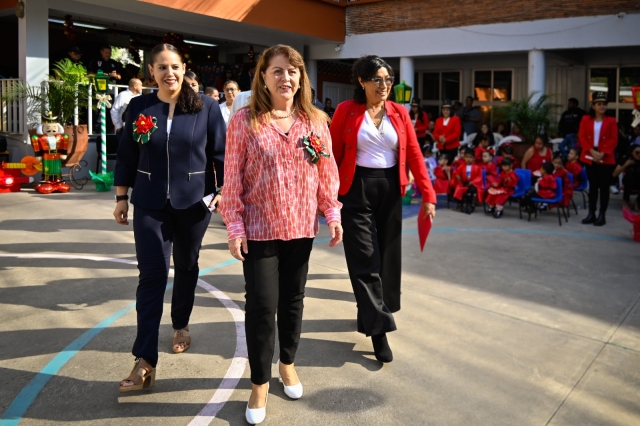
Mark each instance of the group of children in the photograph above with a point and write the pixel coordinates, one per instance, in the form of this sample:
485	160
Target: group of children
461	179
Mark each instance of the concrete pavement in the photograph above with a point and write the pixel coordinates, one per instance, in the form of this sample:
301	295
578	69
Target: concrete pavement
504	322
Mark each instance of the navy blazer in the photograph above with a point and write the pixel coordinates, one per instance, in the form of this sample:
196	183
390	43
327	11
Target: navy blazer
181	163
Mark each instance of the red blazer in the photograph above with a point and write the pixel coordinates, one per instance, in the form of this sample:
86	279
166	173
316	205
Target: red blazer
421	127
608	139
451	133
491	172
547	186
567	189
460	186
345	126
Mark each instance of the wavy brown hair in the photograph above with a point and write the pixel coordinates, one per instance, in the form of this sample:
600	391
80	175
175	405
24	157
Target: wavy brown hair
189	101
260	104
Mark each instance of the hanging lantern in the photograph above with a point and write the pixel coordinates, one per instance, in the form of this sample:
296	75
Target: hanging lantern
101	82
403	93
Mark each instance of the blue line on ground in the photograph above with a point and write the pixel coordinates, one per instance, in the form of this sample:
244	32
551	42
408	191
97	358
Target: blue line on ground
13	415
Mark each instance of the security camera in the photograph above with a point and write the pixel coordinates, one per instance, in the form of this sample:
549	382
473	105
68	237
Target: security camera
338	47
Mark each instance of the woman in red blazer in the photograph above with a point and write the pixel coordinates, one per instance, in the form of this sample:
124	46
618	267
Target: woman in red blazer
447	133
598	137
420	121
374	143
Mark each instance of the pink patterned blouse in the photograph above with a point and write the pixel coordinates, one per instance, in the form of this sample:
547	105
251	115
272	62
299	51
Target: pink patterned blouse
272	190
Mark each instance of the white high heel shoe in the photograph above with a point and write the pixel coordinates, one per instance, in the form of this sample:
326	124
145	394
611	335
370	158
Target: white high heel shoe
293	392
256	416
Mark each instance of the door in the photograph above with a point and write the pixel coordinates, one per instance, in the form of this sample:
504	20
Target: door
337	92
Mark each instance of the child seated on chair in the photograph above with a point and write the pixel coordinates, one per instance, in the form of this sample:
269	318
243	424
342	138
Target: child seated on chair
507	152
482	147
459	160
430	164
490	169
443	175
545	187
562	173
499	192
573	166
465	183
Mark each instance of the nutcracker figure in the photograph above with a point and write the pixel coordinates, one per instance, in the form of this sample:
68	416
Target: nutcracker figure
50	147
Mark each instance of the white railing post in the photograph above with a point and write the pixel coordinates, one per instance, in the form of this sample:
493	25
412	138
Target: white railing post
75	107
90	111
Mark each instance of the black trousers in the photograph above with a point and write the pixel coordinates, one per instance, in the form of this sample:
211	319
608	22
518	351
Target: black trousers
372	222
275	274
155	231
599	176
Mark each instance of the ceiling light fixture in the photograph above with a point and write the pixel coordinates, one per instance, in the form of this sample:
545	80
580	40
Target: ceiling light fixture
78	24
199	43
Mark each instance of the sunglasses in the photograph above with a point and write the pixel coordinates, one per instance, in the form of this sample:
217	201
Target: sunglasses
380	82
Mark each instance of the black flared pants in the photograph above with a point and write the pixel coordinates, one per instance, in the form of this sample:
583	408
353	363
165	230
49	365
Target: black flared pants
372	223
599	176
155	232
275	274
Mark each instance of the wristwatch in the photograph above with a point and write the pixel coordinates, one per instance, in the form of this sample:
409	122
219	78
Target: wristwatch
121	197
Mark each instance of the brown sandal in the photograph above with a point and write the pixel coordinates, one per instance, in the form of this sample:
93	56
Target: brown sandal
143	376
181	340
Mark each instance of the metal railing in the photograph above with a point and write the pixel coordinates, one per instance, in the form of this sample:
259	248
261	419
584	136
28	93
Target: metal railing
12	113
115	89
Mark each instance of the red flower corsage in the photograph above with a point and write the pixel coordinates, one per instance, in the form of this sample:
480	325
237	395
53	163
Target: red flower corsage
315	147
143	127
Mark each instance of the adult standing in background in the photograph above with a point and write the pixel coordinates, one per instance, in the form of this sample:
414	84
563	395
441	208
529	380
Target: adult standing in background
316	102
75	55
172	140
569	125
121	103
108	66
598	136
274	190
470	117
191	79
231	89
373	143
328	109
212	92
446	133
420	121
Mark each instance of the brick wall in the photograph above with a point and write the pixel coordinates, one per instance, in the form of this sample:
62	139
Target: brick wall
399	15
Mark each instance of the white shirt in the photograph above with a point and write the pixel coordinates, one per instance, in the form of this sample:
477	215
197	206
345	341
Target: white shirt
597	126
241	100
119	106
226	113
375	150
169	123
469	171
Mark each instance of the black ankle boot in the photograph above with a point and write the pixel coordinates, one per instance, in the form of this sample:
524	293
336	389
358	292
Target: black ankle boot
381	348
601	221
591	218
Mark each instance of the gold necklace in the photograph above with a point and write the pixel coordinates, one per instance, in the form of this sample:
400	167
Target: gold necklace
280	117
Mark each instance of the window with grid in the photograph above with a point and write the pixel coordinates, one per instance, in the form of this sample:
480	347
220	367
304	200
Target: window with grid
616	82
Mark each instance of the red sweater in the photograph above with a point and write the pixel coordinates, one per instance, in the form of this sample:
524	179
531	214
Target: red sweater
345	127
451	133
421	127
575	169
547	186
608	139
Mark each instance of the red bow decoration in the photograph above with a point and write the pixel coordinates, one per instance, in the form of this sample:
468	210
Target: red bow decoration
143	127
314	147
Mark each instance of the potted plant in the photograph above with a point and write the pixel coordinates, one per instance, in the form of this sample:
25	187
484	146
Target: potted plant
66	88
532	118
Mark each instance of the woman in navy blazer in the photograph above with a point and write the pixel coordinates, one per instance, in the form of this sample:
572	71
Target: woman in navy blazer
375	145
171	148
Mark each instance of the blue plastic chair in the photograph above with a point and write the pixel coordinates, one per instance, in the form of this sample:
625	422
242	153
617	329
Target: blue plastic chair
555	200
524	184
583	188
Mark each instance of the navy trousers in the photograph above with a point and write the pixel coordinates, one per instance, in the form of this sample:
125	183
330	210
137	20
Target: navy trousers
155	232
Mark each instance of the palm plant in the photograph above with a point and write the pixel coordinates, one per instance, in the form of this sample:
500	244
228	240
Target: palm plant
68	86
533	118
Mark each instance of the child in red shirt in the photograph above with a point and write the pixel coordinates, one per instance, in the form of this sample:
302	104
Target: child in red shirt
507	152
465	183
442	173
490	169
545	187
482	147
499	192
562	173
573	166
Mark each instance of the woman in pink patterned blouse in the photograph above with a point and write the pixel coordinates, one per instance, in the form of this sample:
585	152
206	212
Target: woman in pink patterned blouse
279	175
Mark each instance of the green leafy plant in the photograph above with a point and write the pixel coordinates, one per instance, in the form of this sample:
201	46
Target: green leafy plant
58	94
531	117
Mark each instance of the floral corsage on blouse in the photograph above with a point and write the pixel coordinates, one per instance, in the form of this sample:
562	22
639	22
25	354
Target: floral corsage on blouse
315	147
143	127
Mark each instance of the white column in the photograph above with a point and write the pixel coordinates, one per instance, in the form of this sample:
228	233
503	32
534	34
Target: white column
312	71
537	78
33	42
406	74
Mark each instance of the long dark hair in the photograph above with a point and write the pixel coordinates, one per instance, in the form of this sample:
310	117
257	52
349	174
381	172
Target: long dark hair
366	68
189	102
420	116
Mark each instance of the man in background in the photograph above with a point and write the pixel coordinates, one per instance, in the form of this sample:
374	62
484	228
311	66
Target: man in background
212	92
569	125
108	66
122	102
